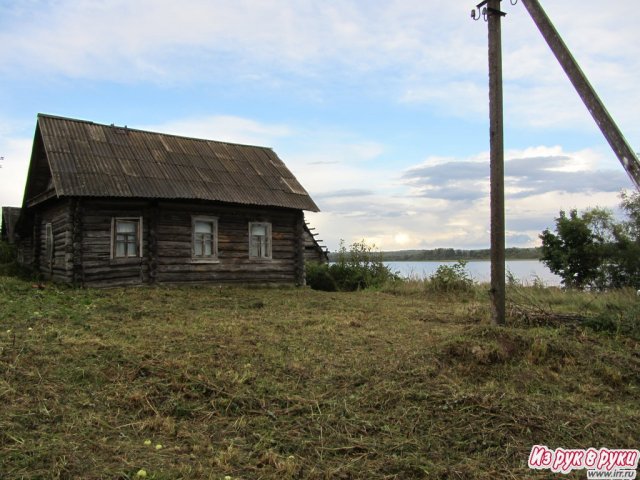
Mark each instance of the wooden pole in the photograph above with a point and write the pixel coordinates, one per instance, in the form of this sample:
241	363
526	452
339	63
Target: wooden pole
587	93
496	141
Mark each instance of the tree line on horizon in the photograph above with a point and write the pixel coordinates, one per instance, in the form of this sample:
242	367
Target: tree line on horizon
452	254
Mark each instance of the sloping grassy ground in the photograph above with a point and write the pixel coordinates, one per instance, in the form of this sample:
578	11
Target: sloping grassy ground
293	383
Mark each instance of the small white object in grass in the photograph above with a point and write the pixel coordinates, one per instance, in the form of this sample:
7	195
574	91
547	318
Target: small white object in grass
638	293
147	442
158	447
142	473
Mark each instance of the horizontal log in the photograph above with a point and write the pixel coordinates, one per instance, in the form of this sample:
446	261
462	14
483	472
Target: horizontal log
115	269
110	275
116	282
100	234
228	268
272	280
176	257
170	230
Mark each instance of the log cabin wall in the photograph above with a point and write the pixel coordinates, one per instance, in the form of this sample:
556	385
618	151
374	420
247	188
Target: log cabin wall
52	230
98	266
167	244
175	262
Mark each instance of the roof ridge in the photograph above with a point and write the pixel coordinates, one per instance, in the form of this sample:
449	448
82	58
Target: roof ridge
153	132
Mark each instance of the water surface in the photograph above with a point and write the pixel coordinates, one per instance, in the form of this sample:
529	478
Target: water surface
527	271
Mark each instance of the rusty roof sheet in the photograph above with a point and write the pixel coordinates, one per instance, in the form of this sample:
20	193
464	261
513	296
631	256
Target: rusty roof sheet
89	159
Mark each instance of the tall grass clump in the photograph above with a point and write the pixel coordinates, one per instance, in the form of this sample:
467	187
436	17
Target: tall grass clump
356	268
451	279
446	280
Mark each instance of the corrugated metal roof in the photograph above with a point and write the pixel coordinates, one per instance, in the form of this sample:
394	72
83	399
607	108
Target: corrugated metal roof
89	159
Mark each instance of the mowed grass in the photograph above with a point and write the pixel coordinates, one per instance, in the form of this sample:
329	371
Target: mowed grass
294	383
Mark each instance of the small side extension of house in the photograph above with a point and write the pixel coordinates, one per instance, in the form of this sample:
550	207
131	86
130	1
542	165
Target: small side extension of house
314	251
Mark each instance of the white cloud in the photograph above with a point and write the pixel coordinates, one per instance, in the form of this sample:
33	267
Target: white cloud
445	202
15	166
429	53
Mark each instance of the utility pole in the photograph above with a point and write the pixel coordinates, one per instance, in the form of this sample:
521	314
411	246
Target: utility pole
490	10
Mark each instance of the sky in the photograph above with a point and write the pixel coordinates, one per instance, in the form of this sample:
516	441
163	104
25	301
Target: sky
379	108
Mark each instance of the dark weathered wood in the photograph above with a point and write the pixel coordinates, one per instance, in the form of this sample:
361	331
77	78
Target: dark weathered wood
313	251
152	250
58	215
35	246
76	242
497	163
83	242
299	249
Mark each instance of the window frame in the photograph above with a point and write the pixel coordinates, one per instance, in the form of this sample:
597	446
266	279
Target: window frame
213	258
268	242
114	240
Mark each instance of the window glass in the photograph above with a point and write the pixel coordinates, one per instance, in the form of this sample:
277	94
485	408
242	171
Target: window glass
259	240
204	227
120	249
126	238
259	230
126	226
197	248
204	237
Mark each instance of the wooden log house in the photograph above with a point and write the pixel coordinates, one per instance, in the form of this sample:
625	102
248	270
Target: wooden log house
107	205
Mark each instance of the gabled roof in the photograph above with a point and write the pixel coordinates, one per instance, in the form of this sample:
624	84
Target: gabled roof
87	159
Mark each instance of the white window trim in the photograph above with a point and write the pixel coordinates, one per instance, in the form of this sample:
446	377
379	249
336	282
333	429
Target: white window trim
113	237
269	241
204	259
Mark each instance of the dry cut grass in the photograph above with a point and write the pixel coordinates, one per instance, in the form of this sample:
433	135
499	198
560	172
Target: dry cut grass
297	384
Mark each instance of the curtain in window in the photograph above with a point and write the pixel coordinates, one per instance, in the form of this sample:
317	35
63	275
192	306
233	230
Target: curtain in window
126	238
259	245
203	239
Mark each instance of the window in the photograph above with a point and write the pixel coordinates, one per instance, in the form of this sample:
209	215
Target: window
48	243
259	240
205	238
126	237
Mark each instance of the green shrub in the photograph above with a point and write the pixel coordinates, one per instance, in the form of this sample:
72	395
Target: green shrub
451	278
319	278
357	268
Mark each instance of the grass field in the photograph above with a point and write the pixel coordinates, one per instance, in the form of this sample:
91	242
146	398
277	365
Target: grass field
215	383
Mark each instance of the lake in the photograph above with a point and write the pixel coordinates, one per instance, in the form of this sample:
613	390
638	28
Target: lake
480	270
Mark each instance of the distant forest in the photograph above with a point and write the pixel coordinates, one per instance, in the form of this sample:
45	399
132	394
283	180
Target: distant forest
444	254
